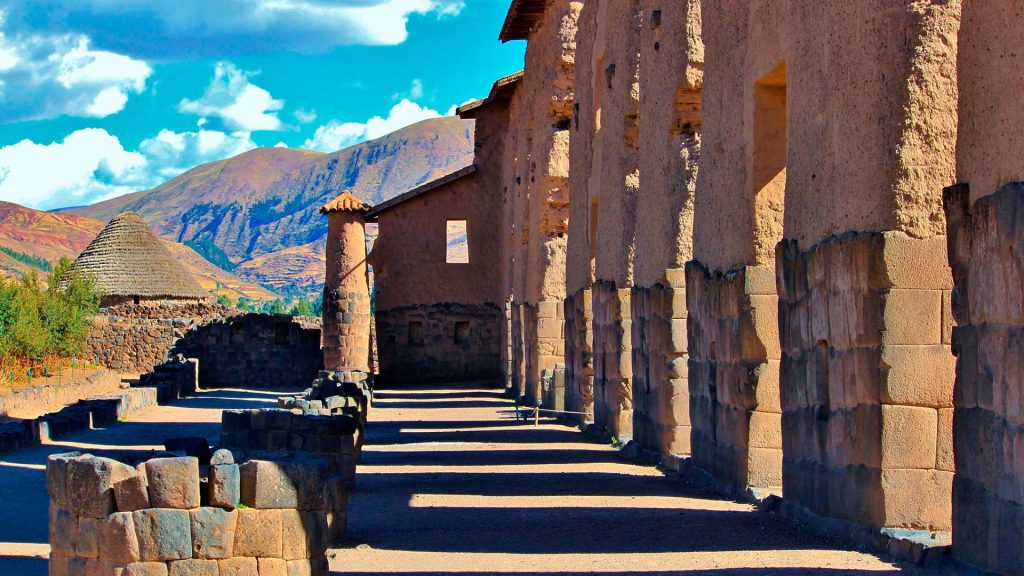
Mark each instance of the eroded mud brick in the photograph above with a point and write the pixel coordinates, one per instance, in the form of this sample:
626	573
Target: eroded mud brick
194	568
164	534
213	532
173	482
117	539
225	485
258	533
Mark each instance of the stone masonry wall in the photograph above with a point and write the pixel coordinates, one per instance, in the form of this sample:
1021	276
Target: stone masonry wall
734	376
173	517
439	343
579	358
867	380
255	351
988	489
135	338
613	372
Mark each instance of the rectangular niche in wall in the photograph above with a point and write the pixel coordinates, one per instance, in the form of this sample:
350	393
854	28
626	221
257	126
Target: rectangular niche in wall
457	242
462	332
416	333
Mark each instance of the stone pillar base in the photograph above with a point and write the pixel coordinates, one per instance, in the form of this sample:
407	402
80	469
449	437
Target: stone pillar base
579	358
613	370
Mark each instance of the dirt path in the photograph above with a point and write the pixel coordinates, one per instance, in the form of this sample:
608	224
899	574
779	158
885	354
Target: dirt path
451	484
23	513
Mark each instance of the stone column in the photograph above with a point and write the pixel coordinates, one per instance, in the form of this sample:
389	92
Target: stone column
346	289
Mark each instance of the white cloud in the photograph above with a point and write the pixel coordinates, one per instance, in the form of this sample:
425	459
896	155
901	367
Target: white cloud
455	107
90	165
416	91
336	135
46	76
201	28
304	116
241	105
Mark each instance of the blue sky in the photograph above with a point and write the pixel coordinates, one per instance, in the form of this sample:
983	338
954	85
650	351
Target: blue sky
100	98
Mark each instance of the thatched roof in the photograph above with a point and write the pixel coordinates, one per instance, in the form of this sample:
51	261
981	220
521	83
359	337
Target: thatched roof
347	202
126	259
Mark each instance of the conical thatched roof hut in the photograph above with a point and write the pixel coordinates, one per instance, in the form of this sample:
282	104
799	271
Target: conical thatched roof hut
129	262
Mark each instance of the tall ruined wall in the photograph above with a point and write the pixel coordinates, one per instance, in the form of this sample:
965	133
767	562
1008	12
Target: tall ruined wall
542	190
831	142
614	183
672	61
985	234
580	249
438	321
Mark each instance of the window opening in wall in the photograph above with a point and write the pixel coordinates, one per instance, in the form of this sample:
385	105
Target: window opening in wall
458	242
462	332
416	333
136	300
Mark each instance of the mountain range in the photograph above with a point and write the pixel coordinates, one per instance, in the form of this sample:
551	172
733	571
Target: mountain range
256	214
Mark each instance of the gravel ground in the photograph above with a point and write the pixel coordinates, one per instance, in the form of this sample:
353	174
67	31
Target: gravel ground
452	484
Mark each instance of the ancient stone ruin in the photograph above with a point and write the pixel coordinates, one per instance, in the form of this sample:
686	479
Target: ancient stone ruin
174	516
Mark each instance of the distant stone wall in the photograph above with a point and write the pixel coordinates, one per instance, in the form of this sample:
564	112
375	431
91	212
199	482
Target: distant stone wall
255	351
439	343
136	338
37	400
108	516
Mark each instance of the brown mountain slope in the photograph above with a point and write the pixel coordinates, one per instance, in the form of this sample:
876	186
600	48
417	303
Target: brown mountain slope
49	236
266	200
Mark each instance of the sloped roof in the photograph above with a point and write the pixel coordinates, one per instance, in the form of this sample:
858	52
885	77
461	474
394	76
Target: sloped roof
521	17
502	90
347	202
421	190
126	259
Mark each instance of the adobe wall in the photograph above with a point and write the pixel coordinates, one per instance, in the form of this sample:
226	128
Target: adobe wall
137	337
831	142
984	236
436	321
672	61
346	297
162	517
541	192
609	116
580	249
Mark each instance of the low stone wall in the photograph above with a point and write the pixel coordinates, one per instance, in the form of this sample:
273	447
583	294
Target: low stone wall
37	400
170	516
136	338
255	351
439	343
174	379
330	437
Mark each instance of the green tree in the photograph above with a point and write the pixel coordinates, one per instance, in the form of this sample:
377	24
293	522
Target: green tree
225	300
302	308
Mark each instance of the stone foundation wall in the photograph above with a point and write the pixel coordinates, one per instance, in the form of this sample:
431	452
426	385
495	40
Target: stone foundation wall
136	338
255	351
613	371
867	379
988	489
172	516
349	333
734	376
543	325
517	375
439	343
661	396
332	438
579	357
